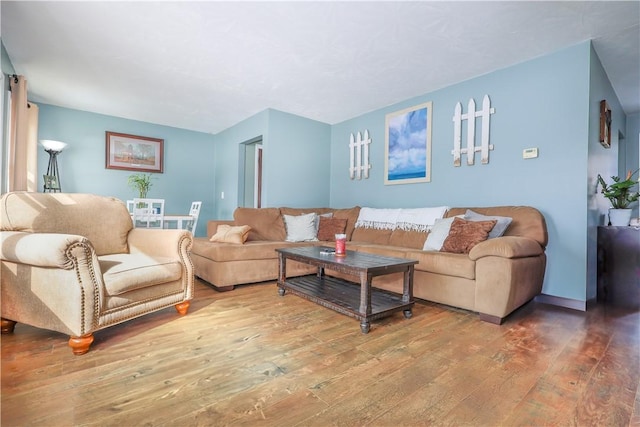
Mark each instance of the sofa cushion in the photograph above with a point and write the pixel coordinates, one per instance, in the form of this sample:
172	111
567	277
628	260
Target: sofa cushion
329	227
371	235
105	221
464	235
498	230
407	239
301	228
265	223
445	263
231	234
126	272
251	250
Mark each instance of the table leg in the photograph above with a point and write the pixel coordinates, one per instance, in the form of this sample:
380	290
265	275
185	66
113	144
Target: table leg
407	290
365	301
365	326
282	273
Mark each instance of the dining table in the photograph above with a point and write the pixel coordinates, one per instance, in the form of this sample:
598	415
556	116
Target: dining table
178	219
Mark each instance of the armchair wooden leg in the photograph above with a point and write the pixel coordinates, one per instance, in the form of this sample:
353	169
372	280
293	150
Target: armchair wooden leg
183	307
80	345
7	326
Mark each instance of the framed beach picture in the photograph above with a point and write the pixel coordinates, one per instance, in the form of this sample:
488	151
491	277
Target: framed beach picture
134	153
407	150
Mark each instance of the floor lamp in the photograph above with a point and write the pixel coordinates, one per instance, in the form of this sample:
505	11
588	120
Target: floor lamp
52	177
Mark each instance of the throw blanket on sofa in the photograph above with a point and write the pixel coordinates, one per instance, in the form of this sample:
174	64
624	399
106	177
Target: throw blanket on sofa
419	219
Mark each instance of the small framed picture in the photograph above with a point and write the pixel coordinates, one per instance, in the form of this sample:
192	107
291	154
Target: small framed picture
605	124
134	153
51	182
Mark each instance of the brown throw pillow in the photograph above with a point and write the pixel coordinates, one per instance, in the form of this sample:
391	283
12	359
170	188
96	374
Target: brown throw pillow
231	234
329	227
464	235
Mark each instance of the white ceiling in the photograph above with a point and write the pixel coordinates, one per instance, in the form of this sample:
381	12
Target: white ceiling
206	66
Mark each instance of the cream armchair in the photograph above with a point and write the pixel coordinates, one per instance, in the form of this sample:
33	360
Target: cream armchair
73	263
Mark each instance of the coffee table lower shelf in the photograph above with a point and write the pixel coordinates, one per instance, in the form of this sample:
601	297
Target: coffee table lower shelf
344	297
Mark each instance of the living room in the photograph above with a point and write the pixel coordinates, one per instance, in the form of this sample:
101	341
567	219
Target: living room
550	102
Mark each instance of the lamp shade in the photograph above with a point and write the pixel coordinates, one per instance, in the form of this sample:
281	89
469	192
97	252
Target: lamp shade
50	144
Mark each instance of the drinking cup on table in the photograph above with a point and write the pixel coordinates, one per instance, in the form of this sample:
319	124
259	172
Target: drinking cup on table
341	242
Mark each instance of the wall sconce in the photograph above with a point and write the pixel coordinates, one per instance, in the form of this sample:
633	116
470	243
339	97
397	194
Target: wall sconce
52	177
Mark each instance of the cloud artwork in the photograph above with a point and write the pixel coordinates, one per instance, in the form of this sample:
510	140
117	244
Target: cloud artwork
407	136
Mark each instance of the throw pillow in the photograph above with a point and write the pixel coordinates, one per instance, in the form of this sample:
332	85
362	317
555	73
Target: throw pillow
500	227
438	234
301	228
464	235
329	227
231	234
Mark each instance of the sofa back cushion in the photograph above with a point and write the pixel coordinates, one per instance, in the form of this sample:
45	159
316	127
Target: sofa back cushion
105	221
265	223
527	221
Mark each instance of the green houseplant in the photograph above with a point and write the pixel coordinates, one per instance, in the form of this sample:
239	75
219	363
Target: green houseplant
141	182
620	195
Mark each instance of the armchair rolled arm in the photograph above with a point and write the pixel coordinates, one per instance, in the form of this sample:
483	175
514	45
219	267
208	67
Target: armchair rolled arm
506	247
160	242
40	249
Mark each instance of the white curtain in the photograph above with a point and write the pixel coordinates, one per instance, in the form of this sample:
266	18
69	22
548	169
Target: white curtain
22	156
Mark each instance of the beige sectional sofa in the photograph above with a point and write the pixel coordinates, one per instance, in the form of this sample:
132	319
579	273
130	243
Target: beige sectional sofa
494	278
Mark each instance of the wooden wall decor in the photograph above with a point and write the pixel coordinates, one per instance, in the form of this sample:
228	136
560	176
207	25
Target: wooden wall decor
359	155
605	124
470	117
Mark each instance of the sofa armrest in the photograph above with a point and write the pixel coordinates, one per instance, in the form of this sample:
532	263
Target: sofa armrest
160	242
212	226
41	249
506	247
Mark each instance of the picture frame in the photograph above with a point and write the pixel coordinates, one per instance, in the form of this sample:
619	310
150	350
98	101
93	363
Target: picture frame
407	150
605	124
51	182
134	153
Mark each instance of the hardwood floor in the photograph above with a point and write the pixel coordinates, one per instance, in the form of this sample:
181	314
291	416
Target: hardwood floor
251	357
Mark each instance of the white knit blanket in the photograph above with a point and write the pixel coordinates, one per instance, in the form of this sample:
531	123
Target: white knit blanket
380	219
420	219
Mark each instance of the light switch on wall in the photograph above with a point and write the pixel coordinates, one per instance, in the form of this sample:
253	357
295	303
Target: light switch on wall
222	195
529	153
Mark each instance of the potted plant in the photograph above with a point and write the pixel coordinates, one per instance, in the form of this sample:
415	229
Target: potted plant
620	195
141	182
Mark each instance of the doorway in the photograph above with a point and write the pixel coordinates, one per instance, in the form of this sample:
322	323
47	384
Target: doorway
252	166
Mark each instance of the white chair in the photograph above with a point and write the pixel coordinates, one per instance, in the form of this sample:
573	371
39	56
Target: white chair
195	213
130	206
148	213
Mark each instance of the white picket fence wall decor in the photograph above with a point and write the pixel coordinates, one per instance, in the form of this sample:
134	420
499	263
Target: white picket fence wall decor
470	117
359	155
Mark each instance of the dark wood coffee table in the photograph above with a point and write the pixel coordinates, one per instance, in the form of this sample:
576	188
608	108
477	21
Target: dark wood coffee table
361	302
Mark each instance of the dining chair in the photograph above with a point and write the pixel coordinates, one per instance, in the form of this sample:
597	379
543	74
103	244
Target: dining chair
148	213
195	213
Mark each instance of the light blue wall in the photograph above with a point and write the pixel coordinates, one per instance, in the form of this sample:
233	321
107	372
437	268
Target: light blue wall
551	103
188	157
629	155
542	103
228	176
295	161
603	161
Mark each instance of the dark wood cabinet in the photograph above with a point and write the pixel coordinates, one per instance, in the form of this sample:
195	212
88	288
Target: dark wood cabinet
619	266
